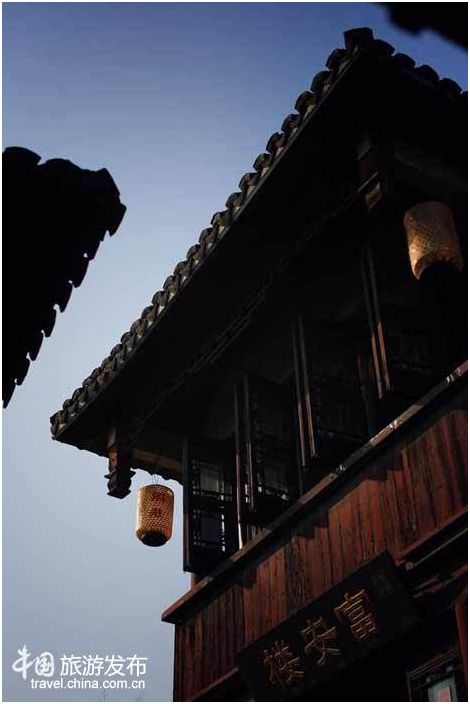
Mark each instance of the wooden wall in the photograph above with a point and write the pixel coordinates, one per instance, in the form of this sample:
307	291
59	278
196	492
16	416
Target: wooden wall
390	504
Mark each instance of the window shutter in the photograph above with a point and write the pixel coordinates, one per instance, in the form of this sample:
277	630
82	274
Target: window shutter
404	330
210	513
267	464
330	404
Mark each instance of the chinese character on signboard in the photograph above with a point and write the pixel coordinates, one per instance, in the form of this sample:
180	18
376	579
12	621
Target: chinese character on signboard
283	666
355	610
318	636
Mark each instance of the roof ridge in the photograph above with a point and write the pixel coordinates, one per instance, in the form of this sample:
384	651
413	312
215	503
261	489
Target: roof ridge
358	39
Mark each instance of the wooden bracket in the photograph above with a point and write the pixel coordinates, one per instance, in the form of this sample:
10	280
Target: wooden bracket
119	468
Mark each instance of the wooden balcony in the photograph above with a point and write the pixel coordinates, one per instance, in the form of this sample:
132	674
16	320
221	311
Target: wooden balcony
405	491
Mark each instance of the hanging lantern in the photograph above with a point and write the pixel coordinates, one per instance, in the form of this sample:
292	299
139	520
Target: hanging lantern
432	237
154	519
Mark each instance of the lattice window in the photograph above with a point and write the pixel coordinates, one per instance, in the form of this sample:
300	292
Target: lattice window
211	533
332	417
266	449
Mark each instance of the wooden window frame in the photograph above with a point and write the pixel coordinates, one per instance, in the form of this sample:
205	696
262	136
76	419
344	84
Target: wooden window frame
198	558
435	668
252	516
314	462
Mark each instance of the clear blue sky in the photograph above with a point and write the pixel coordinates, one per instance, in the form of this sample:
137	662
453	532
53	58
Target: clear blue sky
176	100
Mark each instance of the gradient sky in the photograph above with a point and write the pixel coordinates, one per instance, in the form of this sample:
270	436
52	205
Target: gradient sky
176	100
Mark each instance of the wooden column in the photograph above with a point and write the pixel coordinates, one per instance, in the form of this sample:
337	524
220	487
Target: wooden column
461	615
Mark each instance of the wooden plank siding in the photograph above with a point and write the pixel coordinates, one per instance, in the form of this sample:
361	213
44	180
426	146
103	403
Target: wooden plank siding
390	504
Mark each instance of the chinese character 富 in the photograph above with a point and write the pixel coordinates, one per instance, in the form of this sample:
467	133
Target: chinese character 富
361	620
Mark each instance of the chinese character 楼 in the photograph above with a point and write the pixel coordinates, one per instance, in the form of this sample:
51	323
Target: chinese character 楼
361	620
317	636
283	667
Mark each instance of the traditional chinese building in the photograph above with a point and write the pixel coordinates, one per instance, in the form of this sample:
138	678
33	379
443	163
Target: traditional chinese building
55	215
303	374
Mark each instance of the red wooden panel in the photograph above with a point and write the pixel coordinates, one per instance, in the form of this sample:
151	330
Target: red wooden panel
455	442
297	567
316	566
445	500
197	656
189	684
364	511
390	510
214	652
277	586
238	620
323	535
336	546
212	647
391	504
226	628
183	661
376	516
212	640
421	484
249	607
346	519
266	596
405	501
270	591
408	491
178	665
357	531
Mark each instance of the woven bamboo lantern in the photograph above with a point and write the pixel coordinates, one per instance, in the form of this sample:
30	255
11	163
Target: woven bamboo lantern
154	519
432	237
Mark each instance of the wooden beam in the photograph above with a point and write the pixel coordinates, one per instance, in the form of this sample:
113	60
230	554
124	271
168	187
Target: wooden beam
156	463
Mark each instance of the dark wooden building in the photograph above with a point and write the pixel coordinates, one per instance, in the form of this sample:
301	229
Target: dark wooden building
55	215
449	19
303	373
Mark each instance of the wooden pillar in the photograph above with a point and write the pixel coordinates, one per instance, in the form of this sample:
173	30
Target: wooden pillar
461	615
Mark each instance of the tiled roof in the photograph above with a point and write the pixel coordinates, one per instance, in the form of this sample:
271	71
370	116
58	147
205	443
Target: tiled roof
55	215
356	40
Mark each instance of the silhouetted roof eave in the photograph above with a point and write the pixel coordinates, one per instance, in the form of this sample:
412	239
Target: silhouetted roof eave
55	215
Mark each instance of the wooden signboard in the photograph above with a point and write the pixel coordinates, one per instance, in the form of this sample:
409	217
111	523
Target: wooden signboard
364	611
